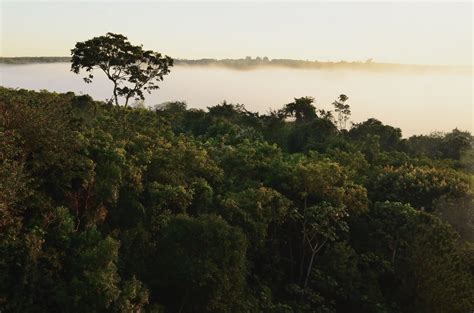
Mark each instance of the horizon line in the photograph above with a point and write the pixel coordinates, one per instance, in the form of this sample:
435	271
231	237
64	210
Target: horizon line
369	61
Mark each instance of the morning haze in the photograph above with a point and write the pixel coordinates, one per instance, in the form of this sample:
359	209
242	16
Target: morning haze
258	157
344	44
440	98
413	33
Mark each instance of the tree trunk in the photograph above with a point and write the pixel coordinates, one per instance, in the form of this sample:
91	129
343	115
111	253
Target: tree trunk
303	242
126	100
115	94
310	266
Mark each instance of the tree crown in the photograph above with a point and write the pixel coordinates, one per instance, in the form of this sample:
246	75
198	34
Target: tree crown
131	68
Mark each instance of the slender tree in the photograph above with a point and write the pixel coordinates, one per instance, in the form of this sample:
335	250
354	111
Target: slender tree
343	111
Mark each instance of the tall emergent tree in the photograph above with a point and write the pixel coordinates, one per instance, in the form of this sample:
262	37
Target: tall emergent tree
131	69
343	111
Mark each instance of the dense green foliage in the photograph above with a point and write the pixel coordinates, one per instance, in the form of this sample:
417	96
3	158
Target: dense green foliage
111	209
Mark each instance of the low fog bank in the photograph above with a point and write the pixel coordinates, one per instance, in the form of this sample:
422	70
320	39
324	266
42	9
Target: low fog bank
250	63
416	102
369	65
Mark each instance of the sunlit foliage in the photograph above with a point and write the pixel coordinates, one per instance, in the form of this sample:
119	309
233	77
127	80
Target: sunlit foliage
107	208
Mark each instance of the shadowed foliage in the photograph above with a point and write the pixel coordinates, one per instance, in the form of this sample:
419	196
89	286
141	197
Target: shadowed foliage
109	208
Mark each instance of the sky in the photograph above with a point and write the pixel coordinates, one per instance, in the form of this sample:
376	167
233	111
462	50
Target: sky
398	32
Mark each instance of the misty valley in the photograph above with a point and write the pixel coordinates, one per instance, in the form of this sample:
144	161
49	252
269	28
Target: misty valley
417	102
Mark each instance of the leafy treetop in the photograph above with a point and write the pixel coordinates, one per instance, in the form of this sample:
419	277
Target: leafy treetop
131	68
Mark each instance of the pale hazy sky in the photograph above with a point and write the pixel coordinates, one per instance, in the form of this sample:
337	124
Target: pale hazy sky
401	32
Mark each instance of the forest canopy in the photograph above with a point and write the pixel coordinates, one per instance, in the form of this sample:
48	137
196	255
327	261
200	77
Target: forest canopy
108	208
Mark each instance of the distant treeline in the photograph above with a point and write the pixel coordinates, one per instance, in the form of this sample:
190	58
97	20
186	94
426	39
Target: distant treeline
29	60
251	63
